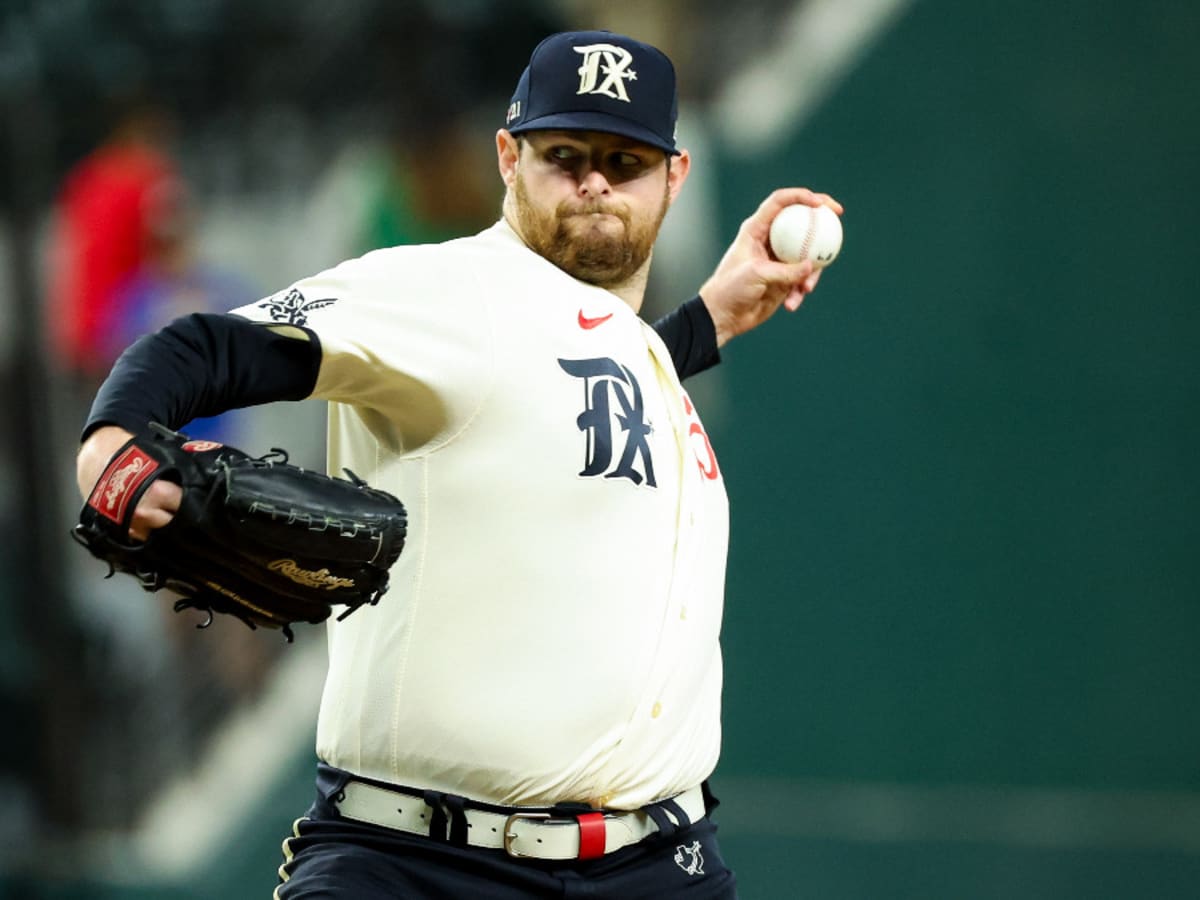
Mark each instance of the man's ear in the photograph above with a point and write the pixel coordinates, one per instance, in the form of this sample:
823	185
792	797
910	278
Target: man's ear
678	173
508	152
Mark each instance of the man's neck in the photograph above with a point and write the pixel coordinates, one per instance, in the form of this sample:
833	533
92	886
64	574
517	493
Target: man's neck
633	289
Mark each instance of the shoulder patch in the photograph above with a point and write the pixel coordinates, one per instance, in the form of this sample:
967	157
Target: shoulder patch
292	307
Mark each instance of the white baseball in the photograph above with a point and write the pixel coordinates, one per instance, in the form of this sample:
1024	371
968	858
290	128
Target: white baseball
802	232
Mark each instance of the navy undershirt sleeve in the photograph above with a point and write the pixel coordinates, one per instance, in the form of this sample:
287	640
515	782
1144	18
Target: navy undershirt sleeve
203	365
206	364
691	338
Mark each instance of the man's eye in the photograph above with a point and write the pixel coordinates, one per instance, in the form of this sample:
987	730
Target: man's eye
563	154
627	160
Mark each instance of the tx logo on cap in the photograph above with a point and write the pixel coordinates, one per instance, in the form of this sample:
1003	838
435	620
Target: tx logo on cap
611	62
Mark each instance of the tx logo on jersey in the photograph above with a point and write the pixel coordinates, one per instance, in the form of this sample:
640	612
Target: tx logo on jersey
292	307
611	62
613	412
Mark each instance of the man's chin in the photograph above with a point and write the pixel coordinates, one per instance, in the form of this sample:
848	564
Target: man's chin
595	248
595	240
600	262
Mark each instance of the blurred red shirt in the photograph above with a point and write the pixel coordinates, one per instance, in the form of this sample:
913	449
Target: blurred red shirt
109	209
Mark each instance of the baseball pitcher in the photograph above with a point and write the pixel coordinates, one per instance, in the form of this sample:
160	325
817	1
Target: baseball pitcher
533	708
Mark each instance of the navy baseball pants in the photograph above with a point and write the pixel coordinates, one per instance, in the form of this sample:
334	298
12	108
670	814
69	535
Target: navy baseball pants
334	858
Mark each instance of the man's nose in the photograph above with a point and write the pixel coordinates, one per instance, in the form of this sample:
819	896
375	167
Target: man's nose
592	183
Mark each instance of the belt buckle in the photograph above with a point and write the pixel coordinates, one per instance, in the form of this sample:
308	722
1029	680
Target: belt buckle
509	834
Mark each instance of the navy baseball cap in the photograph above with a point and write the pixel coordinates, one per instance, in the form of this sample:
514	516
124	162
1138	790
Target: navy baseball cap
597	81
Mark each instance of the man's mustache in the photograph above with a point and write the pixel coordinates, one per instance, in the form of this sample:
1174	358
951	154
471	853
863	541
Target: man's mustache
585	209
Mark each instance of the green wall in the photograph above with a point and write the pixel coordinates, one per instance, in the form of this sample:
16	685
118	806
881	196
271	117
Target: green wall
964	476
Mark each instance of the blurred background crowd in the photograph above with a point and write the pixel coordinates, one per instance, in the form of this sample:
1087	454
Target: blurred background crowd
963	588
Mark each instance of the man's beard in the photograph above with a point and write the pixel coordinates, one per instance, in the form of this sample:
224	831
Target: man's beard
590	250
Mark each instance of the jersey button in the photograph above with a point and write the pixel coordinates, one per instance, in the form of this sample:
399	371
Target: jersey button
656	711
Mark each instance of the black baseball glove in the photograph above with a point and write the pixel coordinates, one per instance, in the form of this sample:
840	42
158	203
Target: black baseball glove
256	538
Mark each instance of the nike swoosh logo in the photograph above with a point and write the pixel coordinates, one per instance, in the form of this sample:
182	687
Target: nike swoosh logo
588	324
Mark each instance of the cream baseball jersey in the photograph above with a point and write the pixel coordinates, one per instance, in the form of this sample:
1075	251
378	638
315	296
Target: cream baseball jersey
551	633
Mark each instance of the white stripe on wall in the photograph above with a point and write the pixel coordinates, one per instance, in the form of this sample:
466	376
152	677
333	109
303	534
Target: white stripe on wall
819	41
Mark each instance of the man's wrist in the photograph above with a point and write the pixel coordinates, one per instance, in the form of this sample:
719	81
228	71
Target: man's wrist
722	332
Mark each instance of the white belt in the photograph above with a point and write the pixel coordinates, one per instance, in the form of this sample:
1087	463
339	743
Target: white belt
540	834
